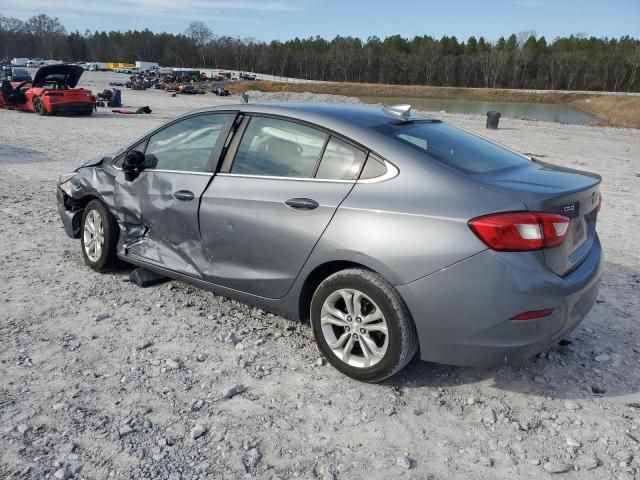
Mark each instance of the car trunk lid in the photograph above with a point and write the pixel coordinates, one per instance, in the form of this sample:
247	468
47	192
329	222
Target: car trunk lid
64	73
543	187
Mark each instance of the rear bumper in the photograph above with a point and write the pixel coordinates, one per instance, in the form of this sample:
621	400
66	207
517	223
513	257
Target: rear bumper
72	108
463	313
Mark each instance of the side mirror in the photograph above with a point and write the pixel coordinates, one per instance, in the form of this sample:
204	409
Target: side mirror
133	164
150	161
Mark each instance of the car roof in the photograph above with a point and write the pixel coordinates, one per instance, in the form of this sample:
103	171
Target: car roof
323	114
354	121
362	114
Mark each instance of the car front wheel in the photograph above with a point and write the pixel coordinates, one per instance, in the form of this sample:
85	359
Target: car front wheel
99	237
362	325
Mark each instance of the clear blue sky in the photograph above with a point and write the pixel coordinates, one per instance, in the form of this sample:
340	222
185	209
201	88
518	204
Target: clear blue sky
284	19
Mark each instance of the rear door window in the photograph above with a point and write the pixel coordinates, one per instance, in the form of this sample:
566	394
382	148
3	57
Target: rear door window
278	148
453	146
187	144
340	161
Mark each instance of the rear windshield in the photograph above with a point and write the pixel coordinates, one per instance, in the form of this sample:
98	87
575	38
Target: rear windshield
452	146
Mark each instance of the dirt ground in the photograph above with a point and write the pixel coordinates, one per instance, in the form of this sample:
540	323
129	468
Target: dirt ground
101	379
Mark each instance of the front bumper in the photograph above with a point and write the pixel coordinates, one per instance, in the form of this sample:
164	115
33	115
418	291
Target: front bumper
463	313
70	218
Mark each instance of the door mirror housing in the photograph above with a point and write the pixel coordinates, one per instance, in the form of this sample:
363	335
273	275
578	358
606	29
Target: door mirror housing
133	164
150	161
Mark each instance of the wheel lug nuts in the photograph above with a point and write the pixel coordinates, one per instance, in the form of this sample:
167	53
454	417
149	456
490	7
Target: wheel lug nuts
363	331
358	319
349	319
355	336
347	328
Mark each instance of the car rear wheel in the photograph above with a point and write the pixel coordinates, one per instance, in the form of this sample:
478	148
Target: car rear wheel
99	237
362	326
39	107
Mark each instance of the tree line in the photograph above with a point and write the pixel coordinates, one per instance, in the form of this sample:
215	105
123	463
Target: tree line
523	60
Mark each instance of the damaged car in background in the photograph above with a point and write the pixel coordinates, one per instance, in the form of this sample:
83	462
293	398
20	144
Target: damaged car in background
392	233
52	91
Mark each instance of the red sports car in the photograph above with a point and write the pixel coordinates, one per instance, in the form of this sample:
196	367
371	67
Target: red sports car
52	91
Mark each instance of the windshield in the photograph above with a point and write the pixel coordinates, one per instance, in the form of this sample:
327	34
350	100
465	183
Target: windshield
457	148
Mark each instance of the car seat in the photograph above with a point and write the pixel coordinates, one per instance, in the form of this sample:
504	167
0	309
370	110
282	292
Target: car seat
8	94
281	154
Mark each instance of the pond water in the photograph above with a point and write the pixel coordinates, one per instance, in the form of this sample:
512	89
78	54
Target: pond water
545	112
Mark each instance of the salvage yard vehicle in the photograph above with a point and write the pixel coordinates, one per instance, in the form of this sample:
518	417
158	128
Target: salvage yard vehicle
52	91
19	74
186	75
20	62
35	63
390	232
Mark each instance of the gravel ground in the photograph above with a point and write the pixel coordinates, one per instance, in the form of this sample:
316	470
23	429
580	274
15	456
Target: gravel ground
102	379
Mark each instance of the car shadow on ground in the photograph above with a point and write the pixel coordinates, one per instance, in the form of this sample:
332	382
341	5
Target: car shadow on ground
601	360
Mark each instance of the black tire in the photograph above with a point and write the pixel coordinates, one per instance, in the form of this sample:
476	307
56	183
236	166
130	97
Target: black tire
402	336
107	259
39	107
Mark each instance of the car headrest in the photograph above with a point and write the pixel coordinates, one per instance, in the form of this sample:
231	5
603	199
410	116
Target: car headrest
278	147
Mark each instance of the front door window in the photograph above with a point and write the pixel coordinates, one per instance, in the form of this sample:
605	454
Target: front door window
186	145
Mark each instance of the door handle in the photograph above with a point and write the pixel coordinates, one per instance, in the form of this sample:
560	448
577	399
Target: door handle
183	195
302	203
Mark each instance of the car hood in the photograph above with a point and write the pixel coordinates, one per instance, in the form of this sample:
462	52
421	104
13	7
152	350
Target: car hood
69	74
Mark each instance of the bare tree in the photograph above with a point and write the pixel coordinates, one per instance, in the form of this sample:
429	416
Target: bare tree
47	30
200	35
9	28
634	62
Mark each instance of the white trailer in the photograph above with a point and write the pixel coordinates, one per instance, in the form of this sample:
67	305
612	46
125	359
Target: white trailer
146	66
98	66
20	62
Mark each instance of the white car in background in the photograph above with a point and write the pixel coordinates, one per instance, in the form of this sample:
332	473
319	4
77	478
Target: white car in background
35	63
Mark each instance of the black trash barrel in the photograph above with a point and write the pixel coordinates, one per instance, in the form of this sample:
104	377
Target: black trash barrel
492	120
116	99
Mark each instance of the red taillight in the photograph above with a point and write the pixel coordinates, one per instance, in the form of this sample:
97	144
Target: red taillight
521	231
53	94
533	314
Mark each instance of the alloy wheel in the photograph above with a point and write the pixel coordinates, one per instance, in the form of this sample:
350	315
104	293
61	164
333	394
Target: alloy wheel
93	235
354	328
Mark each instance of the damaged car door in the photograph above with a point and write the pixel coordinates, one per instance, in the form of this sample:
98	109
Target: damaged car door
277	189
160	204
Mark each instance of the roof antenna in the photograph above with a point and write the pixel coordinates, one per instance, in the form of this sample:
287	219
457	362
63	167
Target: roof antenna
403	111
244	97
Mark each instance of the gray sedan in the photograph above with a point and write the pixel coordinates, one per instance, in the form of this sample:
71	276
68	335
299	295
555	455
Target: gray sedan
390	232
